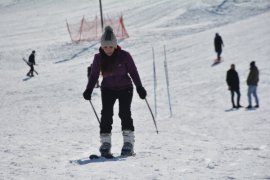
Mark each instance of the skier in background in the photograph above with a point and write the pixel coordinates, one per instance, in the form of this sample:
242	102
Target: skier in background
218	42
252	82
232	80
31	63
117	68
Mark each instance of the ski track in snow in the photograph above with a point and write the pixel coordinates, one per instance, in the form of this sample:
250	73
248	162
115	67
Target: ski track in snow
48	131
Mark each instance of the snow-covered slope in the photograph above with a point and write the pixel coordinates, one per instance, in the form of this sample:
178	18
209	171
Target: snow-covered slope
47	130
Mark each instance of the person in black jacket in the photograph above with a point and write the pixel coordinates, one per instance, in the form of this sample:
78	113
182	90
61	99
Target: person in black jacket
31	63
252	82
233	83
218	42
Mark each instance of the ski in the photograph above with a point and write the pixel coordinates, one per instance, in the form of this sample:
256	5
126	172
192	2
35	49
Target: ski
110	156
94	156
217	61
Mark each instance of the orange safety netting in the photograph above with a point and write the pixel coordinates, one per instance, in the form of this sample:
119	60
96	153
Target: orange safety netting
91	30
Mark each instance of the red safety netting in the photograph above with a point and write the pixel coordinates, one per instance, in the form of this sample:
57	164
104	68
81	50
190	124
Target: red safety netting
91	30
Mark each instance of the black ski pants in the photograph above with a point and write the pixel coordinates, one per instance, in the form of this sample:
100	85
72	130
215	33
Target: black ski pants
238	96
109	98
31	71
219	53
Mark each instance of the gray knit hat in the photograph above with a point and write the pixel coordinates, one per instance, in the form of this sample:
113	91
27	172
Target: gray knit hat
108	38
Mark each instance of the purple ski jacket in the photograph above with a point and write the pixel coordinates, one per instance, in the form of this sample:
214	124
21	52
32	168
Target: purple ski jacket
120	78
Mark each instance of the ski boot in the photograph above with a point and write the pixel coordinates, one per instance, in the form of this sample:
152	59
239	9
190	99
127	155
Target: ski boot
105	148
128	147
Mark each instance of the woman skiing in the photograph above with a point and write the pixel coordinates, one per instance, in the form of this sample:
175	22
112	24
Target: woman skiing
117	68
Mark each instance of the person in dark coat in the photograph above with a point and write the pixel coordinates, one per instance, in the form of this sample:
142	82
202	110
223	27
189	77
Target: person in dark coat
218	42
118	70
252	82
232	80
31	63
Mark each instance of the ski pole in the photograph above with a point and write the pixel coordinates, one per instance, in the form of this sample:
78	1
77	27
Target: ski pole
155	81
167	81
152	114
94	111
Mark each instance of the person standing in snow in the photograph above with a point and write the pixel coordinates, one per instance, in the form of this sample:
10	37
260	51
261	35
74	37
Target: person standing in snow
252	82
232	80
218	42
117	68
31	63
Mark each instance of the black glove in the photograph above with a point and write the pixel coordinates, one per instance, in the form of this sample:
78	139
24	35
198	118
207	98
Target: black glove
87	94
142	92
